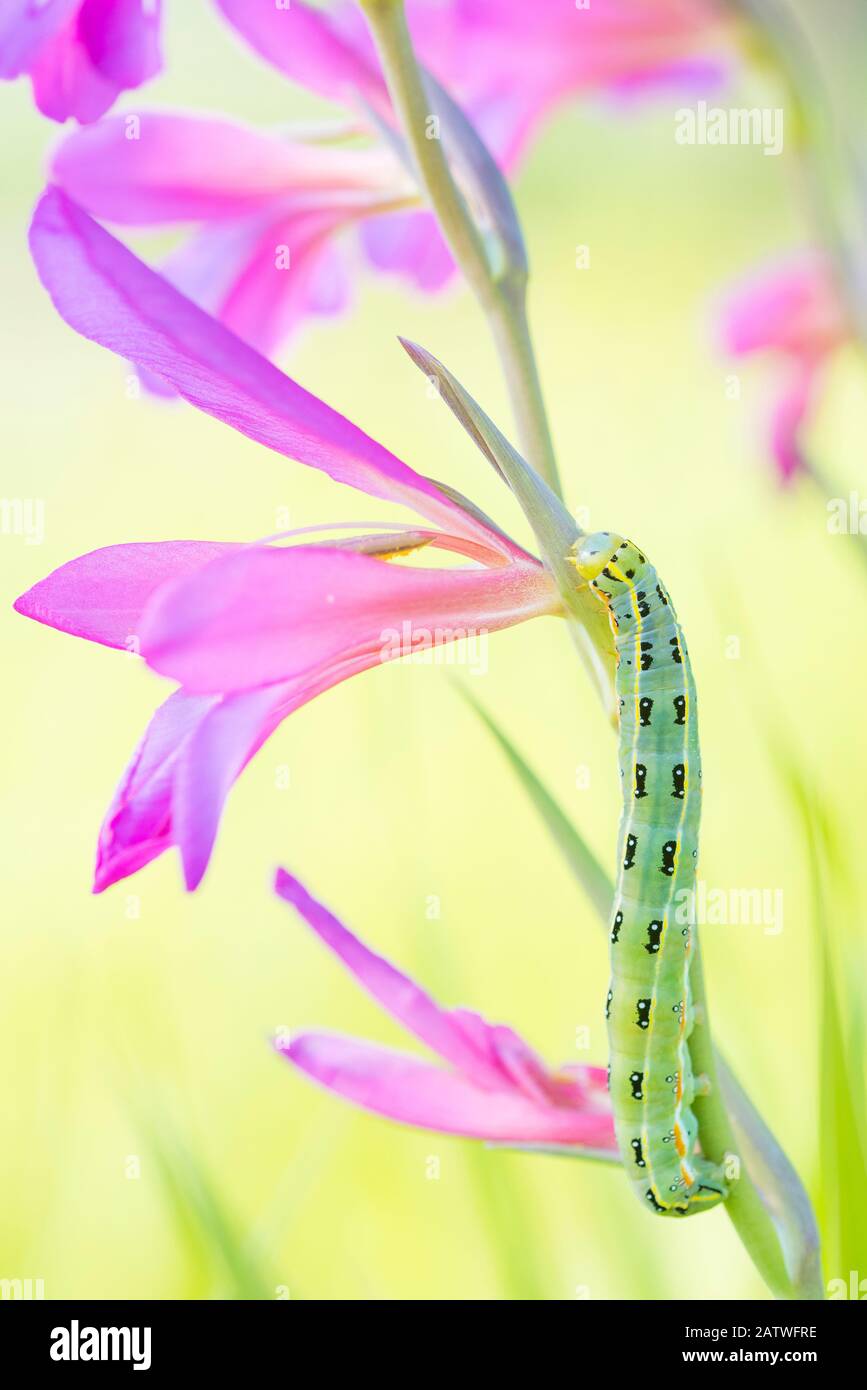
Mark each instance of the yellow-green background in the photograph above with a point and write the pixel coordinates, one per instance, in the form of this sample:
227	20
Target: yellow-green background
149	1011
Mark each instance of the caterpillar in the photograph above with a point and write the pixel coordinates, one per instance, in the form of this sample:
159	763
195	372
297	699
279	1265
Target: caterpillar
649	1011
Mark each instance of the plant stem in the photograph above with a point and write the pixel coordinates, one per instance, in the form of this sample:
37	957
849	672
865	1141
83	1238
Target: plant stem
749	1216
501	296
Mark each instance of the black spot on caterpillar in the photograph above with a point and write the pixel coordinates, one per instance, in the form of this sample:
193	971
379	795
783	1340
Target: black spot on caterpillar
636	1149
640	781
631	846
680	710
643	1013
646	656
654	932
669	850
608	1003
678	776
616	925
675	655
645	705
636	1079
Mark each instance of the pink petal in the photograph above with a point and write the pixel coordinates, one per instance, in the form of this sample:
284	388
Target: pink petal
233	270
789	417
102	49
791	307
398	994
491	1056
138	824
328	52
266	301
413	1092
110	296
25	28
269	613
411	244
101	595
221	748
190	168
329	288
122	38
176	785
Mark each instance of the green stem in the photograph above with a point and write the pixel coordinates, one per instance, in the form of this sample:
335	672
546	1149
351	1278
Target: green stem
748	1213
502	297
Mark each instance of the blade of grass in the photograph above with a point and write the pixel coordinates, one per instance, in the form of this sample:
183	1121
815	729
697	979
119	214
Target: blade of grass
843	1104
198	1210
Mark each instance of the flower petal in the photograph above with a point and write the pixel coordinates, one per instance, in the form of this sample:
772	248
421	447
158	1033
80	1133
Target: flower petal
330	53
791	307
225	741
269	613
191	168
411	244
176	785
103	48
110	296
138	823
25	28
396	992
413	1092
789	417
269	296
101	595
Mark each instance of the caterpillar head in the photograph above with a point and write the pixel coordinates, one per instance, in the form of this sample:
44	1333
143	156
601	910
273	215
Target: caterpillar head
605	553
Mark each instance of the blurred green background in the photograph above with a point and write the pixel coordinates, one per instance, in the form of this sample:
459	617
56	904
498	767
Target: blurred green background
135	1025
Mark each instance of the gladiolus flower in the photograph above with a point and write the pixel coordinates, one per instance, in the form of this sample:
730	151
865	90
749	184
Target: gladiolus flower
793	312
272	207
268	207
251	633
80	54
493	1087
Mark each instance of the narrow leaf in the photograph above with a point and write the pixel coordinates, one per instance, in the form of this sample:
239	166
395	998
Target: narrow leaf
578	855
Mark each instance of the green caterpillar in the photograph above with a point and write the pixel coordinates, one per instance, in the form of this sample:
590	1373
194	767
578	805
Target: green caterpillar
649	1009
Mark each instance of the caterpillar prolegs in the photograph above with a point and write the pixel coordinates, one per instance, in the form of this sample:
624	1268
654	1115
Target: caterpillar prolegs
649	1008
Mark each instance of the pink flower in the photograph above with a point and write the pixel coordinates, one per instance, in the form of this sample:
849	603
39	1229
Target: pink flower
80	54
494	1086
268	207
250	632
792	311
508	63
273	210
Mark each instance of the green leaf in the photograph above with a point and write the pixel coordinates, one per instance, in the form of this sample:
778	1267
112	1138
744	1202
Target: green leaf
578	855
